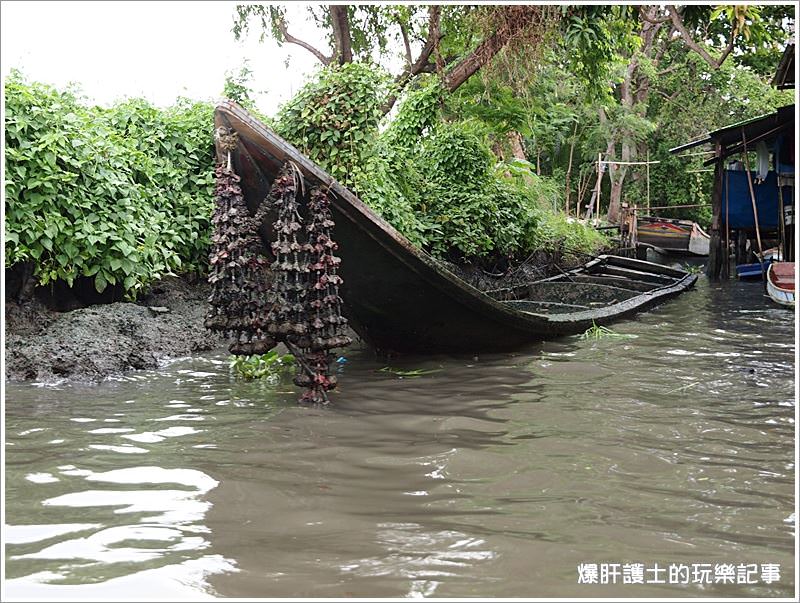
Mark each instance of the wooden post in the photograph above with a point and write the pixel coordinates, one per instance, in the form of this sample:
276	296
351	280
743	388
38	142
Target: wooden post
726	265
599	181
647	158
781	225
741	247
715	251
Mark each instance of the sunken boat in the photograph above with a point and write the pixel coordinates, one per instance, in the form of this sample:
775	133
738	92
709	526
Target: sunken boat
400	299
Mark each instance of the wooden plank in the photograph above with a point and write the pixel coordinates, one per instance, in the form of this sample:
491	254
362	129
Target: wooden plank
616	281
639	276
646	267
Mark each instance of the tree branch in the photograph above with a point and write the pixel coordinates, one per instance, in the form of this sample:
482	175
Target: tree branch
422	64
290	39
677	22
662	50
643	12
407	44
669	69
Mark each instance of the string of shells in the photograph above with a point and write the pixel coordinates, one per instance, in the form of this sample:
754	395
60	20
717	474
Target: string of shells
295	299
325	320
238	272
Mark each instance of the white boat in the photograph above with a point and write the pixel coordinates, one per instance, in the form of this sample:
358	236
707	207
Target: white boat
780	283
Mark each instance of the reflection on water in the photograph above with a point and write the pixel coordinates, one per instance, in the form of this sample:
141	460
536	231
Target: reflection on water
495	475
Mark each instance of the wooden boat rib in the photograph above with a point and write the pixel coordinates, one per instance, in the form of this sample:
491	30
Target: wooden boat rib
399	298
780	283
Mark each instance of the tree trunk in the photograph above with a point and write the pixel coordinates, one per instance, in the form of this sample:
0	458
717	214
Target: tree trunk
517	150
343	43
618	175
617	180
423	60
28	283
484	53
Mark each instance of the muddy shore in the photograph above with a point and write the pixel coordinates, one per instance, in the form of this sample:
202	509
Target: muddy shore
65	334
91	343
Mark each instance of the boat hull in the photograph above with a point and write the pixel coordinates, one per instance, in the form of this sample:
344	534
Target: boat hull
672	236
752	271
397	297
780	283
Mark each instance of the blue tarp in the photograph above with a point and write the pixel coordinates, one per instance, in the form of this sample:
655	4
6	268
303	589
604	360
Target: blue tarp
740	206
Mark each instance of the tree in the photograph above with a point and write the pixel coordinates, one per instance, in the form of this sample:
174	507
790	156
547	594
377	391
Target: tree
713	34
454	41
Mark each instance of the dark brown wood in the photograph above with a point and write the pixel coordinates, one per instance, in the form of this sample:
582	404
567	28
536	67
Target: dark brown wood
399	298
340	24
716	254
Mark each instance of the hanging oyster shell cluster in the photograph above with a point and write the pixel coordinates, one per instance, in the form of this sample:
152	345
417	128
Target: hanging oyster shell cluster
324	319
238	272
294	300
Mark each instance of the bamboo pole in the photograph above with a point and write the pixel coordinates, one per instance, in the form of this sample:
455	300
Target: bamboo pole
684	206
753	201
629	162
599	181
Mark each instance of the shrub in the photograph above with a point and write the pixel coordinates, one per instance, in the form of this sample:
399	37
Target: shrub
334	118
434	180
121	195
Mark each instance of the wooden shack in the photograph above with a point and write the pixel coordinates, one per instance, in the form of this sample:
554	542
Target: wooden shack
753	200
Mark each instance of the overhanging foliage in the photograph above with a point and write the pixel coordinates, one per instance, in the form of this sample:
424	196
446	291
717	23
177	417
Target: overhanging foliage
120	195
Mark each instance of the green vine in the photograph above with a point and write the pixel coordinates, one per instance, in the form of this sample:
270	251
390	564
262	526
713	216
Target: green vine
120	195
436	181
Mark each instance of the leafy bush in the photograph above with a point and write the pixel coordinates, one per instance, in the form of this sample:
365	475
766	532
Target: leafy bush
121	195
334	118
477	213
393	193
334	121
433	180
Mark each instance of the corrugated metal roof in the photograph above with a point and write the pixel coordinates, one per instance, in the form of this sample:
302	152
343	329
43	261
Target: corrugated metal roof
765	127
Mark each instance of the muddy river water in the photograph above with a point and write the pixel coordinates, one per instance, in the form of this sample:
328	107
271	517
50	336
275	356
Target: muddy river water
566	469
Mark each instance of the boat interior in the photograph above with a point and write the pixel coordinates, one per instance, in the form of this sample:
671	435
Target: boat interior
598	284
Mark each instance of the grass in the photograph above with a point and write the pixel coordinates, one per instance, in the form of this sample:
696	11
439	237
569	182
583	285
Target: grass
600	332
268	365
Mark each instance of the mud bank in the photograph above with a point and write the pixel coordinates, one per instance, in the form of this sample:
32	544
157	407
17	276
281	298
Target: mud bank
93	342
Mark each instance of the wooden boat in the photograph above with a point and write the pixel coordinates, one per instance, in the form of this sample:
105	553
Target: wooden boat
753	271
399	298
757	270
780	283
672	236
